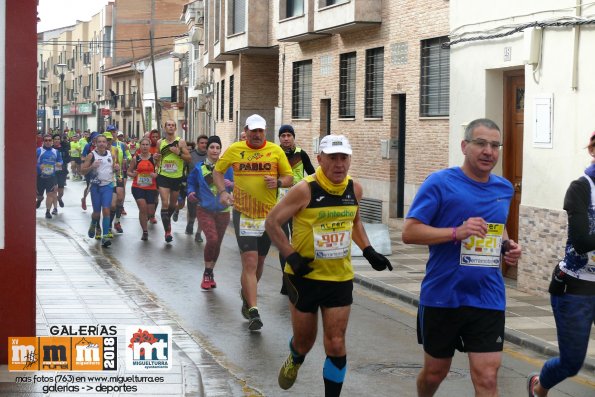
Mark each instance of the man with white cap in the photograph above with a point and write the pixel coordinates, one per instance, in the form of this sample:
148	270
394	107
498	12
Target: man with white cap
318	272
259	168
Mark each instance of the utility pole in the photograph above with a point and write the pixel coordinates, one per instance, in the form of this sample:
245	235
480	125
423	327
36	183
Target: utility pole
157	105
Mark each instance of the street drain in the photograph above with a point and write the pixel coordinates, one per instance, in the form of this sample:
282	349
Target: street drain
405	370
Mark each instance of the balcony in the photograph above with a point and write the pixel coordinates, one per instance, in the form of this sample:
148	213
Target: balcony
246	28
346	15
299	27
209	62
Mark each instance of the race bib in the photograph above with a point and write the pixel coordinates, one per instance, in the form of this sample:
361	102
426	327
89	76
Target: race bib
251	227
144	180
75	153
483	252
282	192
169	167
332	240
47	169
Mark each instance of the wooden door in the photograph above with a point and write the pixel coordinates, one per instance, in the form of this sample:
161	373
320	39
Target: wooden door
514	110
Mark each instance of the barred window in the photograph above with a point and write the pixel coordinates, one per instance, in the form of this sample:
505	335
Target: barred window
374	82
231	79
435	78
347	85
301	91
222	97
217	19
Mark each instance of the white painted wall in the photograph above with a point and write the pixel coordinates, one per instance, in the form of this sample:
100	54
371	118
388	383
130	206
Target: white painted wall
477	90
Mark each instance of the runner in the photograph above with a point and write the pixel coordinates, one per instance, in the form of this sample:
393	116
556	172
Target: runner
169	177
213	216
75	157
101	165
260	167
49	160
88	148
118	141
319	273
144	187
63	146
197	155
118	199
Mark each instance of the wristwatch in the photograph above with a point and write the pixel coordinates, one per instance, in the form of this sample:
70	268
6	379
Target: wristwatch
279	183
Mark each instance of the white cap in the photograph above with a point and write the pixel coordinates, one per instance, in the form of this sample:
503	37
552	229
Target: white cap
255	122
335	144
120	133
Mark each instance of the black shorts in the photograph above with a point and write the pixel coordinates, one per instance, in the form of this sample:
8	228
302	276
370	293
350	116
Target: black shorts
61	178
46	184
76	160
467	329
120	182
144	194
308	295
249	243
169	183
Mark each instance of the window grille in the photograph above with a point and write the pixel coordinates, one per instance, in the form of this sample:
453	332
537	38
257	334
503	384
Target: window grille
435	78
374	82
301	92
347	85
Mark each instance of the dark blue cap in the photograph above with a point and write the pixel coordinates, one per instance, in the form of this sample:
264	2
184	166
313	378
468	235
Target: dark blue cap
286	128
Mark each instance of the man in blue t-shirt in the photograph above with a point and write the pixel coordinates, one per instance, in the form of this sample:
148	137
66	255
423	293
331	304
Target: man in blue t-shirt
460	213
49	160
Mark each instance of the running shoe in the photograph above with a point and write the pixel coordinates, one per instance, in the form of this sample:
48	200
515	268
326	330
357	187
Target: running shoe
61	203
123	212
118	227
153	220
174	217
109	233
168	237
254	321
206	281
288	373
198	237
84	204
38	202
213	283
145	236
97	232
189	229
532	381
91	231
55	211
245	307
48	215
105	241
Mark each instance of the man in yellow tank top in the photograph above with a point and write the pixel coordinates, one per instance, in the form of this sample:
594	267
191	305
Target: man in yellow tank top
259	168
173	152
318	272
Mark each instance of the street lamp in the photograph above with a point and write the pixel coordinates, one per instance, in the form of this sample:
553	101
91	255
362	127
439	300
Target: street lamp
99	92
74	97
44	86
133	94
60	67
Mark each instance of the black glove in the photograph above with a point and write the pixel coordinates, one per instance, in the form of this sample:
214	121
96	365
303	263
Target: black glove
378	261
299	264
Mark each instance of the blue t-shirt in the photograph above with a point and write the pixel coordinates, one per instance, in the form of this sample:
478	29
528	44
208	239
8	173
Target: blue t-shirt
205	190
47	160
447	198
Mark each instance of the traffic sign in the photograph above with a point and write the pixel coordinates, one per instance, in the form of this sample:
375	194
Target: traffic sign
105	112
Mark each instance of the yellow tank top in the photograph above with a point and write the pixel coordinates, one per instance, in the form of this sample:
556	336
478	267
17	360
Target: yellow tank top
323	231
171	165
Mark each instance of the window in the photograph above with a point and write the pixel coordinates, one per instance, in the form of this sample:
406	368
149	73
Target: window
347	85
239	16
374	82
301	91
294	8
216	101
206	27
231	79
222	97
435	78
217	18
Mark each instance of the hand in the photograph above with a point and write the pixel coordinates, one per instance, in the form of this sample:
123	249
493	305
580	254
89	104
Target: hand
270	182
512	253
157	156
225	198
133	174
472	227
228	183
192	197
116	167
378	261
299	264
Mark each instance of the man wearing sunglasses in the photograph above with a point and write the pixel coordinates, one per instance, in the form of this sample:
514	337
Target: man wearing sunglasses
461	213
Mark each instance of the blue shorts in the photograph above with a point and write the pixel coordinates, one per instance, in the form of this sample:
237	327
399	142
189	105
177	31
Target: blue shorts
101	196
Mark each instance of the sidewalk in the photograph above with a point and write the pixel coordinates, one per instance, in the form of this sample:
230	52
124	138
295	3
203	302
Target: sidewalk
529	319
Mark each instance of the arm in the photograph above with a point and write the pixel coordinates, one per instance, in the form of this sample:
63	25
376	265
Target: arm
308	167
576	204
416	232
294	201
225	197
86	166
132	169
183	152
511	250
